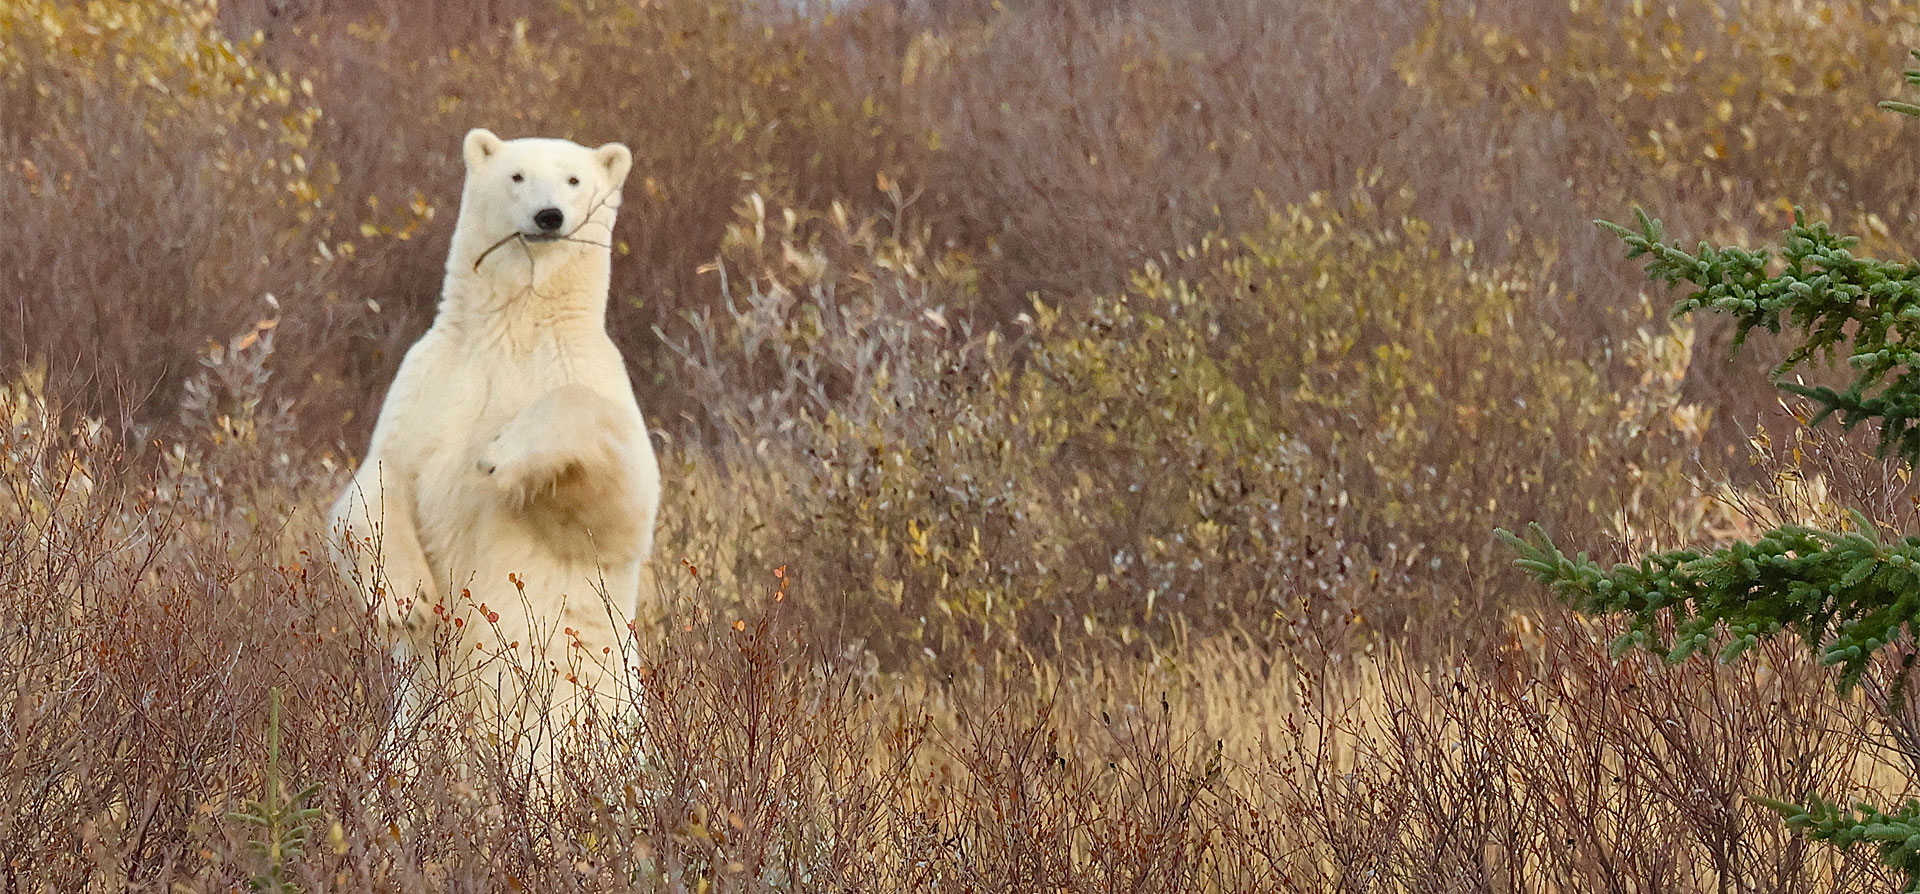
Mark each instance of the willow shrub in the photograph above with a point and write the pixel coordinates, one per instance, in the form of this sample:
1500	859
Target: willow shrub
159	183
1309	431
1682	95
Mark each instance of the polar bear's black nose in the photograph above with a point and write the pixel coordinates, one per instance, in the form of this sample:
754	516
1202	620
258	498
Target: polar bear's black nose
549	219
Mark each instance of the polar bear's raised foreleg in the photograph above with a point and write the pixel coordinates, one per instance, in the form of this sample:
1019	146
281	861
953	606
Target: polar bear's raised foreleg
568	433
377	546
573	466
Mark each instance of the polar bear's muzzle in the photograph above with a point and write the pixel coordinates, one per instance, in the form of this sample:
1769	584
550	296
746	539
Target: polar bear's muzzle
549	221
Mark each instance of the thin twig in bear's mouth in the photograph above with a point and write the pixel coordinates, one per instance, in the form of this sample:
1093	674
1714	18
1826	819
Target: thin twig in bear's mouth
599	203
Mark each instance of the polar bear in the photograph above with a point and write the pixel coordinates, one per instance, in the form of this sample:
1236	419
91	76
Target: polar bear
506	505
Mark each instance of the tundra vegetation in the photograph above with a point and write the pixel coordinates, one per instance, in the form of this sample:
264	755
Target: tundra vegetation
1084	427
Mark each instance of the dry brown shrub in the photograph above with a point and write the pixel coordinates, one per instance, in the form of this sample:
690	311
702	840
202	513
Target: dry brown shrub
159	183
1080	139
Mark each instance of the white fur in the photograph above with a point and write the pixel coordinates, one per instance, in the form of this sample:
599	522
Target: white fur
510	447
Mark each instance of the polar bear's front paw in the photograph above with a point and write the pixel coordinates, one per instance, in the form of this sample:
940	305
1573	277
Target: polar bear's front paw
493	457
501	464
521	475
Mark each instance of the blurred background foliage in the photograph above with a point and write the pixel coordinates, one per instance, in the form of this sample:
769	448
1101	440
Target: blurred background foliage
1003	324
1312	426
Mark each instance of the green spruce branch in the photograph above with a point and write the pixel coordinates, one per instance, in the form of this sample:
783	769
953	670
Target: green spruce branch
1913	80
1866	308
1896	835
1847	594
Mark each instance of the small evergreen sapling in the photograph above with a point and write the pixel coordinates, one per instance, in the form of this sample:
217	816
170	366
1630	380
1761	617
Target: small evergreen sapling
1847	594
282	821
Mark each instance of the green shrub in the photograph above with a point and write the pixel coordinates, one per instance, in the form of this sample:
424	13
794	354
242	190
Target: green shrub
1309	427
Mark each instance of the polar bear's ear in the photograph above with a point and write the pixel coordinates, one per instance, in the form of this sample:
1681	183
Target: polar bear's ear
617	160
481	145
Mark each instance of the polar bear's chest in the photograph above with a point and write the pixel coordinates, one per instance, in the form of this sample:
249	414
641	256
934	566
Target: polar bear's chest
455	500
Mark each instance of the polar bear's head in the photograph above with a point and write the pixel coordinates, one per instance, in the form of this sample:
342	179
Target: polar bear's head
540	190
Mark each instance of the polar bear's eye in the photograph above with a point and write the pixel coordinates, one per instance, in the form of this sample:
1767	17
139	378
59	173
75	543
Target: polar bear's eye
517	178
573	181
